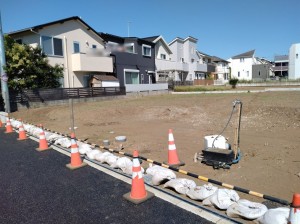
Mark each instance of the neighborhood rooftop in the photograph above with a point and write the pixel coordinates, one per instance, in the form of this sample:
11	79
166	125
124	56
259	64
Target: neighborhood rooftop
61	21
248	54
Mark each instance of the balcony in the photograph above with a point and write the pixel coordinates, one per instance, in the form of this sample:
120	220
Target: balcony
165	65
222	70
90	63
199	67
280	68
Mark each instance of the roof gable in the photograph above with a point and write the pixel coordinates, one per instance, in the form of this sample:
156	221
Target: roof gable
41	26
160	38
248	54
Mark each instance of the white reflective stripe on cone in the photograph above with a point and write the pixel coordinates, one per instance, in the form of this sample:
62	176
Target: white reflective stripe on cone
74	150
172	147
171	137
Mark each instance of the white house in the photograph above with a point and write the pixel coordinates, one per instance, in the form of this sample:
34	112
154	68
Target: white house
222	69
241	65
189	63
72	43
294	61
163	64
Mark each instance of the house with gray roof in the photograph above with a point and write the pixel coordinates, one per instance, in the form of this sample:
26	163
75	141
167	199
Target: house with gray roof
241	65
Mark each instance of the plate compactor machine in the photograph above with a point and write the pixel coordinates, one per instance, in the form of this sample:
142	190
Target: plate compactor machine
217	152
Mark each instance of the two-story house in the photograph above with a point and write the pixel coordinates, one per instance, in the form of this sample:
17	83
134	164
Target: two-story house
134	61
222	69
241	65
179	60
164	67
281	68
73	44
189	62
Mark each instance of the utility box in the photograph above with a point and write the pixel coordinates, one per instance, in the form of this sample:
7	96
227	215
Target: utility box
215	141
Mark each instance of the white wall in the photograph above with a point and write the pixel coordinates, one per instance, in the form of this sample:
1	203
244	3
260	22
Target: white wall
161	49
244	68
294	61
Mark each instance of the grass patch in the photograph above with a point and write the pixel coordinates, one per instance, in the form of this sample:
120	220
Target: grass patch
200	88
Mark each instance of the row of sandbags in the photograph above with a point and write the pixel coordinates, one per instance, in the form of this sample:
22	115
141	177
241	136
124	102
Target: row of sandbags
223	199
123	163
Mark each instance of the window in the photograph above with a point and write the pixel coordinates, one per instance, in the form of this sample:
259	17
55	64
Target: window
94	46
192	60
146	50
247	73
238	74
259	73
182	60
52	46
163	56
132	77
242	59
296	56
19	41
129	48
58	48
76	47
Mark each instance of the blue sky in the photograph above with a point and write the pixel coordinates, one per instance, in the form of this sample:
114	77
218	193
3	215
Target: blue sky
223	28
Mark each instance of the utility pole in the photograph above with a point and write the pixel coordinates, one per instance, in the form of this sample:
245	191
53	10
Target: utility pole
3	75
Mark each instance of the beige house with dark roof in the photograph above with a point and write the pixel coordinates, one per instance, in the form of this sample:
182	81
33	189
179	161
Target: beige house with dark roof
73	44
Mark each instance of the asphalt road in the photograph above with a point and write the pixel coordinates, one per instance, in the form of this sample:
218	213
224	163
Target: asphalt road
36	187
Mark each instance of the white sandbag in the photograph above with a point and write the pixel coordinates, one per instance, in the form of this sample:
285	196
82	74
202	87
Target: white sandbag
92	154
181	185
84	148
202	192
27	127
15	123
125	164
246	209
53	136
222	199
111	160
30	129
47	134
160	174
102	158
275	216
64	142
36	131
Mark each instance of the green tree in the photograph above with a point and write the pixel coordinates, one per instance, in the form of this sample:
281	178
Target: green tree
28	68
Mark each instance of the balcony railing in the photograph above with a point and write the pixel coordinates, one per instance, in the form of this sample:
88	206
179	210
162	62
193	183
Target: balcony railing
89	63
280	68
165	65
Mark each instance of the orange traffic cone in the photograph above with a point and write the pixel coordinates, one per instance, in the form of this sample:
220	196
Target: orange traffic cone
9	128
138	192
294	217
1	124
76	161
172	153
22	133
43	144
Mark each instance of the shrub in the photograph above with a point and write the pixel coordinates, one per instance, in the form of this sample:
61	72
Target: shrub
233	82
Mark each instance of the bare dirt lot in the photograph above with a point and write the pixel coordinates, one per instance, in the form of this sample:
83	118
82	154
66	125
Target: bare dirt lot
270	132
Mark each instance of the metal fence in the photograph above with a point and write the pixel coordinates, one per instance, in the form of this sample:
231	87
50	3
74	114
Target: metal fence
42	95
